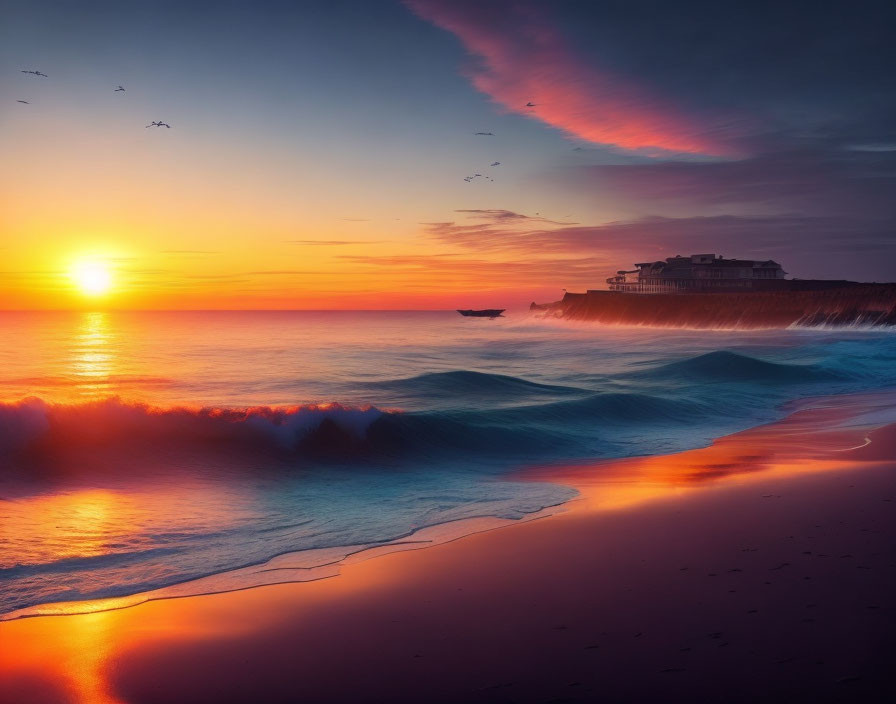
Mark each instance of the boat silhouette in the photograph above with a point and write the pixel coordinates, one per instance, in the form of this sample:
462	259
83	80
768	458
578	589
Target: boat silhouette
487	313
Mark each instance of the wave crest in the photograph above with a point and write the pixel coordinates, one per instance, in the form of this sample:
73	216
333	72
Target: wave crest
44	432
470	383
34	425
723	365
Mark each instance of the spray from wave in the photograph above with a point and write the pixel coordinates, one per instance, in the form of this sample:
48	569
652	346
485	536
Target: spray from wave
36	427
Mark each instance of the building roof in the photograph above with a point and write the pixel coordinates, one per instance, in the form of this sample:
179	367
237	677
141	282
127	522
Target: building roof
718	262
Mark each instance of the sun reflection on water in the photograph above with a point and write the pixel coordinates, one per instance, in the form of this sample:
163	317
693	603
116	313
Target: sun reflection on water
94	361
75	523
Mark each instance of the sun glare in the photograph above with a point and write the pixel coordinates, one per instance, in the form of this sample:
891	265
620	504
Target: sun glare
92	277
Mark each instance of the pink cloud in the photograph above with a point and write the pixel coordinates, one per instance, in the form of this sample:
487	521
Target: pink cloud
522	58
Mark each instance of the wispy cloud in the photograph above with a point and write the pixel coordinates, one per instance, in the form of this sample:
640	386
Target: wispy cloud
810	246
189	251
285	272
506	216
521	57
447	273
334	243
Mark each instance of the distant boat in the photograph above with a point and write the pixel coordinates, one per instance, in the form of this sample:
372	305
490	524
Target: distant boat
487	313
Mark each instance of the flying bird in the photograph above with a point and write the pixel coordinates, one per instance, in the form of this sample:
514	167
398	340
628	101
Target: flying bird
496	163
486	134
119	89
36	73
159	124
530	104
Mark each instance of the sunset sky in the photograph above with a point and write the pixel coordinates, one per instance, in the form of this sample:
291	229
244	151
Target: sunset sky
318	151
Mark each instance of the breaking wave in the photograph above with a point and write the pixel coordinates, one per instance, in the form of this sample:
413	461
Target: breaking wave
34	429
471	413
34	425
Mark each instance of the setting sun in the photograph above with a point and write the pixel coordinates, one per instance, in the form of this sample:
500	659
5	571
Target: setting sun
92	277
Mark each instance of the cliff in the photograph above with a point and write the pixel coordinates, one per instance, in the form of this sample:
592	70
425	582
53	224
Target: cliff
850	305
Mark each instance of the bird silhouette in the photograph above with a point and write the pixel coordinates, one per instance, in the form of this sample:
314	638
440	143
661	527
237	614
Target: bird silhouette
530	104
159	124
36	73
496	163
119	89
23	101
486	134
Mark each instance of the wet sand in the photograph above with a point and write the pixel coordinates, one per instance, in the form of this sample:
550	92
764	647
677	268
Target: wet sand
758	569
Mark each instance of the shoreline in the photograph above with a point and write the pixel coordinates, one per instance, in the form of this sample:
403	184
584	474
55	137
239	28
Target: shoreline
328	567
324	563
480	589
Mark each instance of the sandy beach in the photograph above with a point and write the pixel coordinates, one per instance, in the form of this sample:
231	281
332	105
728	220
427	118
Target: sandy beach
760	568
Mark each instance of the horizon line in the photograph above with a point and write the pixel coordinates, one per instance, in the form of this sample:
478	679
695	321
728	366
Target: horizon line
227	310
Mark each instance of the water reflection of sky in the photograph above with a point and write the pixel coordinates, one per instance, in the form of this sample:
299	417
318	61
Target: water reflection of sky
91	521
93	356
286	358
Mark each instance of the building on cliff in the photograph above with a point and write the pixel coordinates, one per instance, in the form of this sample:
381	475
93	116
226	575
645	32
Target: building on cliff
706	291
699	273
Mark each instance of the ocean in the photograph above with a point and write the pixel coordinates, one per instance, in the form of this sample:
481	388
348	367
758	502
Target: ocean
154	454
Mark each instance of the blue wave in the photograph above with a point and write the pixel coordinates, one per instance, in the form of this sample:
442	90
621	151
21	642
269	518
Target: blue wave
561	428
462	388
732	367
